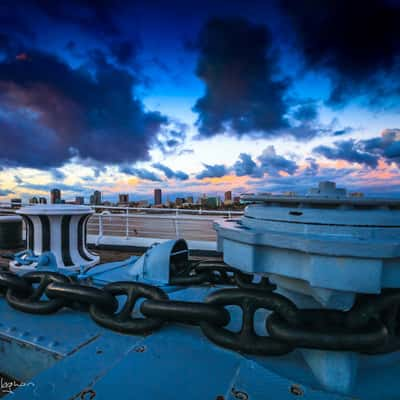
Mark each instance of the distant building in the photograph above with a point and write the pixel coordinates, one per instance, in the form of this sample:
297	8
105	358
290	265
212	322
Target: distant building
213	202
179	201
42	200
95	198
157	197
55	196
123	198
236	200
190	200
79	200
356	194
143	203
228	198
33	200
327	189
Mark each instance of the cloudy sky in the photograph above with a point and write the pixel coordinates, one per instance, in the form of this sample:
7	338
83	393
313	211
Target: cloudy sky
198	96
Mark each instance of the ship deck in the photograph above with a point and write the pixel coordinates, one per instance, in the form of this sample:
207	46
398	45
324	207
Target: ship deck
107	255
111	254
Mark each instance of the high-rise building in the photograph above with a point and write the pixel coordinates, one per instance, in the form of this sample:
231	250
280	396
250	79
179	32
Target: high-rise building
190	200
157	197
42	200
95	198
33	200
79	200
228	196
123	198
55	196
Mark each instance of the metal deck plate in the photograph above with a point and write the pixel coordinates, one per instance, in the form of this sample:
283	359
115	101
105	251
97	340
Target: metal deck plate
61	333
176	362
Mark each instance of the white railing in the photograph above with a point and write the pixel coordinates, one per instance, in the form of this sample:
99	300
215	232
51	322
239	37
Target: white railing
159	223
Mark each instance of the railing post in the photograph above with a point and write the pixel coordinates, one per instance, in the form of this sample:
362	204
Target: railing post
100	233
100	224
127	224
229	214
176	225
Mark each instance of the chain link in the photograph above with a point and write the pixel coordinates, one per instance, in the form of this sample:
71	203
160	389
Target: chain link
372	326
219	274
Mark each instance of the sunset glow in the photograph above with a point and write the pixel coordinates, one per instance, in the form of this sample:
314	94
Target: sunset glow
218	96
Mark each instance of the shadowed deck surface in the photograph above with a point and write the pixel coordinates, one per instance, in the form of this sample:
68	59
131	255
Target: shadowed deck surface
106	256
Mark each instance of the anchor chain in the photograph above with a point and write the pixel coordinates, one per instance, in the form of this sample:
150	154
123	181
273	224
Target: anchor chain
218	273
372	325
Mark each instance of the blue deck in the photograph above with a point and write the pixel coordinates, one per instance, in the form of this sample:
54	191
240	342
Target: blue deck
68	356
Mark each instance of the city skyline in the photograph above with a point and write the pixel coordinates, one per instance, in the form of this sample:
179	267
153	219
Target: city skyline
96	198
198	98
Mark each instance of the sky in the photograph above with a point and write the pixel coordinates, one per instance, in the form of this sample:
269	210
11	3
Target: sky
198	97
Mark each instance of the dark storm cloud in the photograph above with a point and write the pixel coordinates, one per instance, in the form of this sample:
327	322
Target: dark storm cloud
29	144
386	146
51	111
170	174
140	173
306	112
212	171
357	42
273	163
305	122
124	52
246	166
161	65
269	162
237	66
367	152
94	16
348	150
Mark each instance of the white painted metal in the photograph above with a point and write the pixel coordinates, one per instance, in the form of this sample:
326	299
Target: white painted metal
151	265
320	250
56	230
330	245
